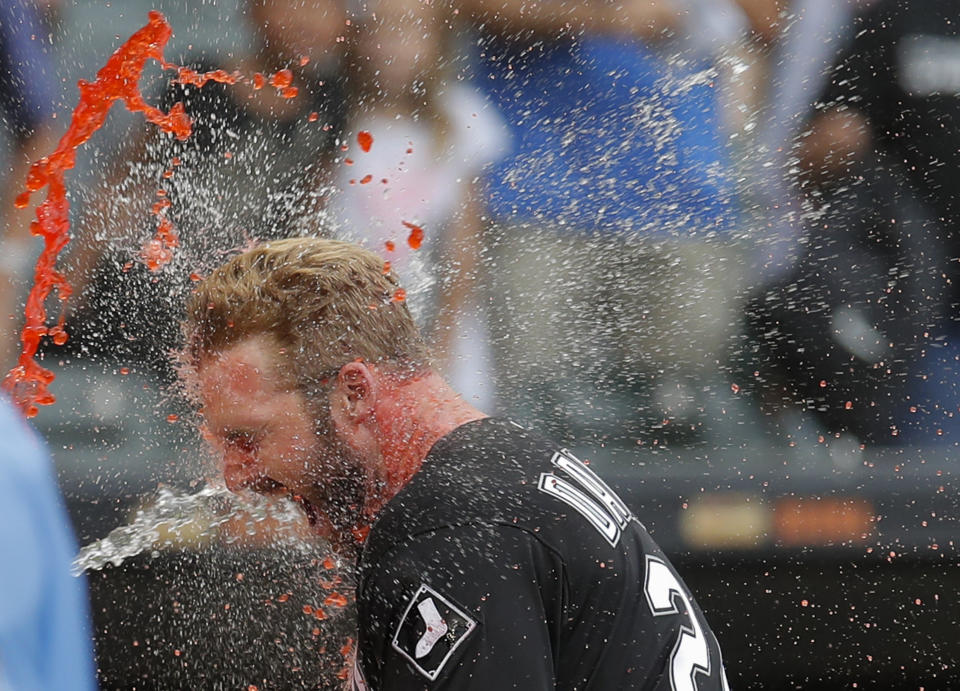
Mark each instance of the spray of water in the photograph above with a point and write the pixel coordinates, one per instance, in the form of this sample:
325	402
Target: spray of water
211	589
175	517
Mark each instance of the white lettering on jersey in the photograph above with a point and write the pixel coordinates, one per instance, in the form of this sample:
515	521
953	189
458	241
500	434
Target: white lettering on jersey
594	485
590	496
589	509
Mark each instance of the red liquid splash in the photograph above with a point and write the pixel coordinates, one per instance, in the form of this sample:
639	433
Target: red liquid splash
335	600
189	77
416	235
158	252
117	80
282	79
365	140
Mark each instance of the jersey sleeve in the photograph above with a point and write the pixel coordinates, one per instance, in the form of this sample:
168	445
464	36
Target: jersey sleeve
472	608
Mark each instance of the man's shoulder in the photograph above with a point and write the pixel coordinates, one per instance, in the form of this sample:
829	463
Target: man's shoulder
473	475
494	474
460	475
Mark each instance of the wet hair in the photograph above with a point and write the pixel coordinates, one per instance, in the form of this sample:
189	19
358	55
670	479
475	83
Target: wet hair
323	302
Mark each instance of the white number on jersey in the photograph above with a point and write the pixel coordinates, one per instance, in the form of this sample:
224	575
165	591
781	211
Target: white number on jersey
691	652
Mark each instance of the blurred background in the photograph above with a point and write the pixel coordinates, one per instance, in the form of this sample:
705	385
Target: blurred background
710	245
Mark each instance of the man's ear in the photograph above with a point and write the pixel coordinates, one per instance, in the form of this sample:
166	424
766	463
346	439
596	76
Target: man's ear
356	390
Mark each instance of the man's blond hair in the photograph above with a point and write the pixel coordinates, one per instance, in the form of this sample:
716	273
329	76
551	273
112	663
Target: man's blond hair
324	302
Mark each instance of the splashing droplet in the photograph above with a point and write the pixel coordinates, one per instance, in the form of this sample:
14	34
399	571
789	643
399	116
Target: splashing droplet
415	240
365	140
281	79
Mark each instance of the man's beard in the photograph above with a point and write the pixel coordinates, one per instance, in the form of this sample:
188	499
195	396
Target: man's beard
339	494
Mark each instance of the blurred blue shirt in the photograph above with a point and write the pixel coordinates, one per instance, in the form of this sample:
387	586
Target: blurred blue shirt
45	641
28	88
607	136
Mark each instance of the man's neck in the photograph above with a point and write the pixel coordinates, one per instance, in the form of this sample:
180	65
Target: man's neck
412	415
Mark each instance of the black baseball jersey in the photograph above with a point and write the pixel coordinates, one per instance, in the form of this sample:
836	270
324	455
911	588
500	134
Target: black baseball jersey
506	563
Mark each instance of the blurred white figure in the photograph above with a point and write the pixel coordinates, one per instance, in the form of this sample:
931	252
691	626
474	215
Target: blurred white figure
432	137
813	34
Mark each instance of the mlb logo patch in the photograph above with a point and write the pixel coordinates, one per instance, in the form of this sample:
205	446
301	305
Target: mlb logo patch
431	630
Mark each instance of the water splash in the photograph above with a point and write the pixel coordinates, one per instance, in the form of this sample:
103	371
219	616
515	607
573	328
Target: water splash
176	518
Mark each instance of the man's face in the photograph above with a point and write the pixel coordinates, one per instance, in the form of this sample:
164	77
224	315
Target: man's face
265	433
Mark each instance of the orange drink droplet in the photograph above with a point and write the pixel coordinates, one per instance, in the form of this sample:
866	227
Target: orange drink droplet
281	79
415	240
365	140
58	335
